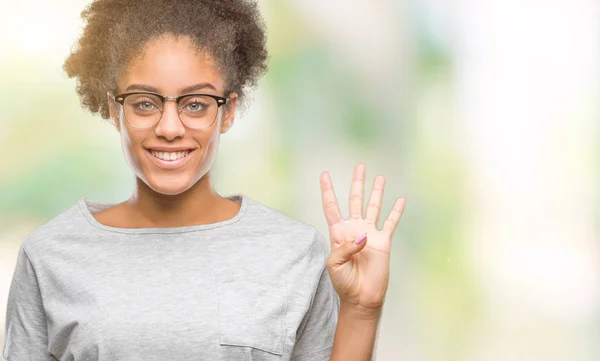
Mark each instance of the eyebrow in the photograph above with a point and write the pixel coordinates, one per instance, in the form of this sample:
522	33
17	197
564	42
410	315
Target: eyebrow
185	90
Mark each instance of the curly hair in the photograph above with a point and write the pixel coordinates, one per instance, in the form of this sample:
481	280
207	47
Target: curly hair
231	31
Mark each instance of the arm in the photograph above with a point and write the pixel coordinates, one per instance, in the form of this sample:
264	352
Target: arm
314	336
355	334
26	329
358	264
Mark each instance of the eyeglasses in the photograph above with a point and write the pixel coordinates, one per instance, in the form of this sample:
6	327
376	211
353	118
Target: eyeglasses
144	109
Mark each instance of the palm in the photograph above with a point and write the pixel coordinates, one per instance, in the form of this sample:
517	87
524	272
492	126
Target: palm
362	278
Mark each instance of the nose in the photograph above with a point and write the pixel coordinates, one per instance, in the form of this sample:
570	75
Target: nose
170	126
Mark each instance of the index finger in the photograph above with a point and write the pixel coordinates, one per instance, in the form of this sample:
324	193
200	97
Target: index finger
330	204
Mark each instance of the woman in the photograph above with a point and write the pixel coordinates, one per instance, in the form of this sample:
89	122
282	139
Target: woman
177	271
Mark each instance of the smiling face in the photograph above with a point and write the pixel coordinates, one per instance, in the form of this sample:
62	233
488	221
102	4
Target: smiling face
171	157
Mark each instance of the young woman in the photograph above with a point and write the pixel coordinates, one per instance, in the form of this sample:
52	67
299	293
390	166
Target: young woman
177	271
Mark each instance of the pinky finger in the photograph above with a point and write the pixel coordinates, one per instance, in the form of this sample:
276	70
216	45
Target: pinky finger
390	224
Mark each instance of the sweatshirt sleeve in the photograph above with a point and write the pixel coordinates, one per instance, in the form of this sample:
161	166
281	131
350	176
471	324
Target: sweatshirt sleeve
26	333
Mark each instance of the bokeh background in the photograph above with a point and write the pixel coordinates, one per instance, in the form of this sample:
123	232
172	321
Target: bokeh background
483	114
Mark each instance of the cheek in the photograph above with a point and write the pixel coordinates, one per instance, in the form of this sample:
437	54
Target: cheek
130	150
134	153
209	144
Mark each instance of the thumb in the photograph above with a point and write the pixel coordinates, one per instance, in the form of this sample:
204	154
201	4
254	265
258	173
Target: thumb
344	253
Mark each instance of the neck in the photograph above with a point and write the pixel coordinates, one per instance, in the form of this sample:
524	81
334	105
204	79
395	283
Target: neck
197	205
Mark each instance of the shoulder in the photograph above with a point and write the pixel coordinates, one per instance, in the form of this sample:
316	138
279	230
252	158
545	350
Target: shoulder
293	232
65	225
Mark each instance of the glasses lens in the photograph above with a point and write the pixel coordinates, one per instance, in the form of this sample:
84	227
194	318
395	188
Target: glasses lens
198	111
142	110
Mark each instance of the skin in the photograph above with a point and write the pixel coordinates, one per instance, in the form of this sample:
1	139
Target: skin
185	196
171	197
359	272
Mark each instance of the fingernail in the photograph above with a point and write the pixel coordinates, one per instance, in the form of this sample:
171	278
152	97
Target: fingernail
360	238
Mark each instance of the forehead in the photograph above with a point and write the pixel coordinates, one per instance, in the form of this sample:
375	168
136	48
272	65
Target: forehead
171	64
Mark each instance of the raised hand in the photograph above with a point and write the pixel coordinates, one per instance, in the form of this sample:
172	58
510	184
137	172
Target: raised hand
359	262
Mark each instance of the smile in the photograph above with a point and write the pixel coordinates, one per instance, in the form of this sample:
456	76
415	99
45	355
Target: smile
170	156
169	160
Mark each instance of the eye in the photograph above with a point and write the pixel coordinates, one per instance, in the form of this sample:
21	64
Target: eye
195	105
145	105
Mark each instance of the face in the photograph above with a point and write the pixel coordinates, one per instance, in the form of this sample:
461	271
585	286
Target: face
171	157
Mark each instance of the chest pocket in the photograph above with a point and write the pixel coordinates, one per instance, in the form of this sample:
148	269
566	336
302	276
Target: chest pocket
252	313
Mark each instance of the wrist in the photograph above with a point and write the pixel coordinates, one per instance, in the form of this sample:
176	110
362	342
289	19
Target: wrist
360	313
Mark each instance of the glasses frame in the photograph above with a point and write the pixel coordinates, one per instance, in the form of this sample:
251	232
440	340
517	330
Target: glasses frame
120	98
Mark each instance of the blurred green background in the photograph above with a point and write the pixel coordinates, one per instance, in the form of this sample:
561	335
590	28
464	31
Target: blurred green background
483	115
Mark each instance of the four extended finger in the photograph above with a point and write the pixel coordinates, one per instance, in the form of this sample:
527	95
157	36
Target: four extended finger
330	204
374	205
390	224
357	190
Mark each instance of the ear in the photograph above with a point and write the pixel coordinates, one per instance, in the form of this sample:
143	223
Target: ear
113	111
229	116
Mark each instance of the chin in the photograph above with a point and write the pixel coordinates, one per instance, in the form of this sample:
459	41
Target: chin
170	187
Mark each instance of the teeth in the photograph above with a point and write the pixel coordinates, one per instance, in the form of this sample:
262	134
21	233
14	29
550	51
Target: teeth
170	156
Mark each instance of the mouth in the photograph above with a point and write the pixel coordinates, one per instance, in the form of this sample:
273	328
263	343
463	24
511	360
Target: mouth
169	160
